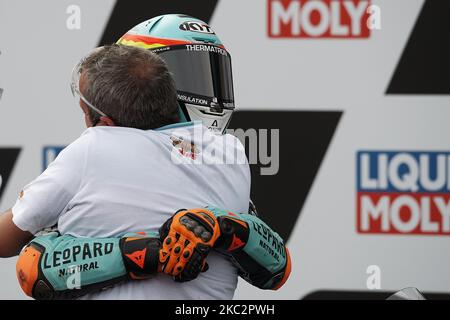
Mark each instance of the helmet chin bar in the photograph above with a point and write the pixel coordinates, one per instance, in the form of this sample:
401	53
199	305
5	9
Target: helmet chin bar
214	119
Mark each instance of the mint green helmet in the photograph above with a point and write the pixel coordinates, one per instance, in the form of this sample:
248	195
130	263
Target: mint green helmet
198	61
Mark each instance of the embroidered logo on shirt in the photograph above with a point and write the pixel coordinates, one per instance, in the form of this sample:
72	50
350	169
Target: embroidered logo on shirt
185	148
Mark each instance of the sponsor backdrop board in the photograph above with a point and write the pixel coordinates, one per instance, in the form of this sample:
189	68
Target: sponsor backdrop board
353	97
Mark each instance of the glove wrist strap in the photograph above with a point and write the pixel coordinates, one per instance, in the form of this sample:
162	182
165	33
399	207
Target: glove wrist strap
234	234
140	256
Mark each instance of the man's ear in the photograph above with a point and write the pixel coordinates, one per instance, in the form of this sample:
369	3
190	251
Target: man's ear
106	121
87	118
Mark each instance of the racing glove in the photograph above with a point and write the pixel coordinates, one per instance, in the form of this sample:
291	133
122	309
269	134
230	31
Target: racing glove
255	249
187	238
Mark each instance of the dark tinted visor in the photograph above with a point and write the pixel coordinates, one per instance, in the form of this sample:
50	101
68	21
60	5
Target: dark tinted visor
200	70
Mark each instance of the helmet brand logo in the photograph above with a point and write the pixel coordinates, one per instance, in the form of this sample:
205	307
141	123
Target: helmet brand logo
196	27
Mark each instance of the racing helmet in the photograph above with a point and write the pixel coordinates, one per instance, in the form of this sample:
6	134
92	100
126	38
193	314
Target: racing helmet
198	62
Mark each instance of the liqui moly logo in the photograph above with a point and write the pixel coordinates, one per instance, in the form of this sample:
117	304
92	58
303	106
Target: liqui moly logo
403	192
321	18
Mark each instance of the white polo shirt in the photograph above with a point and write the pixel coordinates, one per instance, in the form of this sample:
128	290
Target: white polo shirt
114	180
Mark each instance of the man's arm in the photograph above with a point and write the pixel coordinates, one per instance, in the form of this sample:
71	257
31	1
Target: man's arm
12	239
258	252
52	266
255	249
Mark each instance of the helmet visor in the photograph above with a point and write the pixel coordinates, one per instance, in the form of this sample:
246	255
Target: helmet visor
202	73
